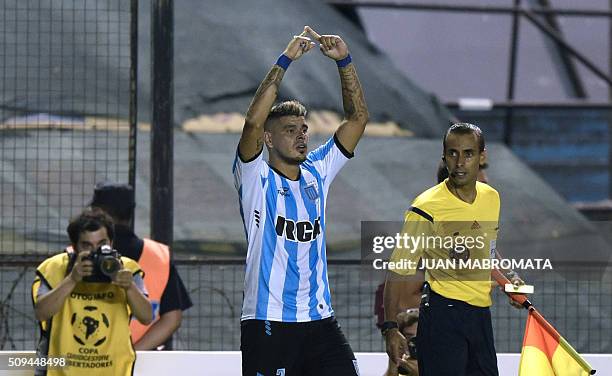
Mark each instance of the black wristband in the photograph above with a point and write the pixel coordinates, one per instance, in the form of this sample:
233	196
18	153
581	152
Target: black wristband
387	325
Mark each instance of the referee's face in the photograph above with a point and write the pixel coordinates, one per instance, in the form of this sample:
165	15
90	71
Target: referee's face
463	158
289	139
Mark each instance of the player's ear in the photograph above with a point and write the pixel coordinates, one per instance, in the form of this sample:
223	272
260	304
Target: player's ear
268	139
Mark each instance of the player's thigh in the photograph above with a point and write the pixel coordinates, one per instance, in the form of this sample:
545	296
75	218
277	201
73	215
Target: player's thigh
329	353
270	349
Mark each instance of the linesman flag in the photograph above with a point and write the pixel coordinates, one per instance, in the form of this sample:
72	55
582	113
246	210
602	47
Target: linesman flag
546	353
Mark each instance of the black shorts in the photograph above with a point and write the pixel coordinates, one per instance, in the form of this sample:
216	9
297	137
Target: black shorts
455	338
316	348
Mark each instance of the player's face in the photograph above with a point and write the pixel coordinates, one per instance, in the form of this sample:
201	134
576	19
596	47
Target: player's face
463	158
289	139
89	241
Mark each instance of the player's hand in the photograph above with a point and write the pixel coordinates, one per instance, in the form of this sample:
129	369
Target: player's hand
82	267
298	46
332	46
516	281
123	278
396	345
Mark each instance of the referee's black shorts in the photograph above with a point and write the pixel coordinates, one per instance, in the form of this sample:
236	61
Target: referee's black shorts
455	339
316	348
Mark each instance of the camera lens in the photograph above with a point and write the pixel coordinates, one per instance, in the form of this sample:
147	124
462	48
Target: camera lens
109	265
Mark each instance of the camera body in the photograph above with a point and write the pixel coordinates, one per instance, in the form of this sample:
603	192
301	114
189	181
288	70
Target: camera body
106	262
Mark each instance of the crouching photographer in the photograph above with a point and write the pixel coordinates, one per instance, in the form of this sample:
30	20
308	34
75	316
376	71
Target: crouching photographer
407	323
83	299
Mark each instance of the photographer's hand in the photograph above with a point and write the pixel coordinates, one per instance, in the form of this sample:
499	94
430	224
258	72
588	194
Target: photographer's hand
83	267
123	278
139	304
50	303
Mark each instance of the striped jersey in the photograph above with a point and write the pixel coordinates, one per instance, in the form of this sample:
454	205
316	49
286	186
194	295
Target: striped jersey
286	265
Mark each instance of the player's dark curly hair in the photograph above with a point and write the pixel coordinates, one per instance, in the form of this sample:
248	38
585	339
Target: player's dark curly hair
286	108
90	220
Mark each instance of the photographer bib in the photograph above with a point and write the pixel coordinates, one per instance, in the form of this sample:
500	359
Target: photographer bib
91	329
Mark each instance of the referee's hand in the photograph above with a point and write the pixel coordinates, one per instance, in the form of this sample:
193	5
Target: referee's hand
396	345
516	281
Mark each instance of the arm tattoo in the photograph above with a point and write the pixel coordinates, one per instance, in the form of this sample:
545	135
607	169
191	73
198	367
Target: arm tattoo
273	78
353	100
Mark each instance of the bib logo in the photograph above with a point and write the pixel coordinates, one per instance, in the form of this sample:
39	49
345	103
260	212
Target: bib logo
90	328
459	250
303	231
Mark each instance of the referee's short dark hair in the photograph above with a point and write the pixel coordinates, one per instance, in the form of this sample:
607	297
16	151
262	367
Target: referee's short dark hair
465	128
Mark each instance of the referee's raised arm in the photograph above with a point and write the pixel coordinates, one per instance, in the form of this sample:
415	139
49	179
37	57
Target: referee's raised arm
251	141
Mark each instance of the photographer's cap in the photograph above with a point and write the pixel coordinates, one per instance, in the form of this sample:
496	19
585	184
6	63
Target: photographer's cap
114	195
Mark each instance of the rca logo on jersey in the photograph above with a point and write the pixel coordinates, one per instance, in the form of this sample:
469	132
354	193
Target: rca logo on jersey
303	231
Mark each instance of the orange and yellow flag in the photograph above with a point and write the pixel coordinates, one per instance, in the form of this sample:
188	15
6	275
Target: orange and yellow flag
546	353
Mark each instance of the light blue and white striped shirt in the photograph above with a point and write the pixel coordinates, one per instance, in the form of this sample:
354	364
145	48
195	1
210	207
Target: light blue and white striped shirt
286	266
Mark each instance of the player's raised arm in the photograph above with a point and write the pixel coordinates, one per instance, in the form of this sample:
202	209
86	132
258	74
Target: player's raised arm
251	141
355	109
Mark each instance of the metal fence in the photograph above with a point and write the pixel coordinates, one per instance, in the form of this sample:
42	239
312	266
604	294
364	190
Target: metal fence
66	97
577	300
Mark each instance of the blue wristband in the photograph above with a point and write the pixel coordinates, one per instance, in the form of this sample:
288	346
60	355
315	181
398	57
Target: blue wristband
344	62
283	61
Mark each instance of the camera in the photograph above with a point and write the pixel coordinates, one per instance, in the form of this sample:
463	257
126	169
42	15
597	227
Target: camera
106	263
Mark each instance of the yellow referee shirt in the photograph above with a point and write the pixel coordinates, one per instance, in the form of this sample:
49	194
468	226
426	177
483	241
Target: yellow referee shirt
455	241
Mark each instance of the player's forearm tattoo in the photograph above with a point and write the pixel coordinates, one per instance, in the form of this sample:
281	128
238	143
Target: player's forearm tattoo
353	100
273	78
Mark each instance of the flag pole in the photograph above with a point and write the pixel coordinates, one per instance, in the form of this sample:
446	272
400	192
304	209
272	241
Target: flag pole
502	280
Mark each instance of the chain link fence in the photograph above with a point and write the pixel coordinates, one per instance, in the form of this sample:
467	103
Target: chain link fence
66	73
212	324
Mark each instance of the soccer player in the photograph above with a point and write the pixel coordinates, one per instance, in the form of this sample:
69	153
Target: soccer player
455	335
287	324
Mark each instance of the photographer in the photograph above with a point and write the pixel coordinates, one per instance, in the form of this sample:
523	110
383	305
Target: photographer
83	299
407	322
167	293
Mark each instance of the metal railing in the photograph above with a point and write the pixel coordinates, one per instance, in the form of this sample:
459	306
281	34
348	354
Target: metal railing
574	300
